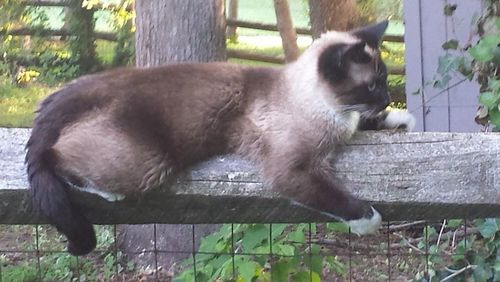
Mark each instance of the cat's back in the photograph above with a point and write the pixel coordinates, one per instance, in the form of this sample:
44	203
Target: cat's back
158	117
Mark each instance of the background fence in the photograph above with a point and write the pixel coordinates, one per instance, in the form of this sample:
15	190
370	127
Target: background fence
231	23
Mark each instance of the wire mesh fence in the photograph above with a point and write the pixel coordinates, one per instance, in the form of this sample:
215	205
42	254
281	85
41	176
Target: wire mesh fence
401	251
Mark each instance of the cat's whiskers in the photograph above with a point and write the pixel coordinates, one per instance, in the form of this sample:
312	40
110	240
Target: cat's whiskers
364	110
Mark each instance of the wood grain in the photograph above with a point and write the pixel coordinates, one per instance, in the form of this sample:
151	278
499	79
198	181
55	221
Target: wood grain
407	176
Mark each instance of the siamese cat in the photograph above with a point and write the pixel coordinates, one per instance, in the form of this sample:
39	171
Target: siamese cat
123	132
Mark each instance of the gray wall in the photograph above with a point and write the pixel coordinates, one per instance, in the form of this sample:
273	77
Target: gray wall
426	29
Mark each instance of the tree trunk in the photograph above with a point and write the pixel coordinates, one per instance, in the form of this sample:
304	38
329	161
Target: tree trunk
332	15
286	29
178	31
170	32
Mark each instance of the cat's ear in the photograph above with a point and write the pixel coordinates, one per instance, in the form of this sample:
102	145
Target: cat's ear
356	53
372	34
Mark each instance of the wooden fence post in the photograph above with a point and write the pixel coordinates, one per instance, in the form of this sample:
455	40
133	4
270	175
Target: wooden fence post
232	14
286	29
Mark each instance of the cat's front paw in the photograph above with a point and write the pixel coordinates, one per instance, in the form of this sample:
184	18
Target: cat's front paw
365	225
397	119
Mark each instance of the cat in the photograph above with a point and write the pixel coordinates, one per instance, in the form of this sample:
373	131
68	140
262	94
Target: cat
123	132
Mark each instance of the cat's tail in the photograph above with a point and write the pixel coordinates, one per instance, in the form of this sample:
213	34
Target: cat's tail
49	190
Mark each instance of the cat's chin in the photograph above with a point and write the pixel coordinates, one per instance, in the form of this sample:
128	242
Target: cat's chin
365	225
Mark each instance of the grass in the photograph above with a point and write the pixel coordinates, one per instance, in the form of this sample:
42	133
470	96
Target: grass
105	50
263	11
18	104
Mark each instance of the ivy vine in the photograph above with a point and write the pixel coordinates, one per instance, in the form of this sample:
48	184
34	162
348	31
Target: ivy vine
479	60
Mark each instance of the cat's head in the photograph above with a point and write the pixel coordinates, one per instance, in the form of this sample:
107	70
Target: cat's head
350	64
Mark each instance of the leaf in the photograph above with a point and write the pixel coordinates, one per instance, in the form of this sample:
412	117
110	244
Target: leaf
316	263
449	9
313	228
452	223
306	276
489	227
430	230
482	273
283	250
448	63
484	50
277	230
489	99
433	249
247	269
336	266
450	45
208	243
315	249
280	271
495	117
297	236
338	227
254	236
315	277
494	85
302	276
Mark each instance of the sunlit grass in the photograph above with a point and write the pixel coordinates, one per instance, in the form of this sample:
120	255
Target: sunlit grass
105	51
17	105
265	45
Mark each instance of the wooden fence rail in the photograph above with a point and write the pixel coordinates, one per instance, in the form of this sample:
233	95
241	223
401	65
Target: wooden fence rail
59	3
110	36
407	176
245	55
299	30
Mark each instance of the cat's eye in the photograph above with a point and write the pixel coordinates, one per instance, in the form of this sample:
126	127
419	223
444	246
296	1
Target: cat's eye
372	86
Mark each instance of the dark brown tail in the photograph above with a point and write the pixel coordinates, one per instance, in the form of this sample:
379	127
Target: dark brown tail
50	197
49	190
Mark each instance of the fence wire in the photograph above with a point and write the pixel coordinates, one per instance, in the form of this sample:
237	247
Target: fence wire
400	252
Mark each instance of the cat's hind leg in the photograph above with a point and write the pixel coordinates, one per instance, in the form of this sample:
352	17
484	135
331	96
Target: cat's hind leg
100	159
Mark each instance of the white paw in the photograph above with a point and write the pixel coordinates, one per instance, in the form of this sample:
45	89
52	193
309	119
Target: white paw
364	226
398	118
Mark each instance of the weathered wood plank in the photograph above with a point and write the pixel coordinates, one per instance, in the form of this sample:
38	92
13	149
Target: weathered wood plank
406	176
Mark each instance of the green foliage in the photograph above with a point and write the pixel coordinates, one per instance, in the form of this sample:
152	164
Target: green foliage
478	60
61	266
123	23
81	22
372	10
17	105
57	66
475	257
59	61
292	258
